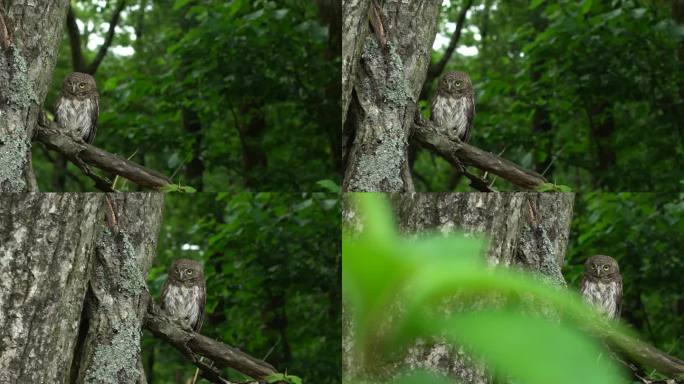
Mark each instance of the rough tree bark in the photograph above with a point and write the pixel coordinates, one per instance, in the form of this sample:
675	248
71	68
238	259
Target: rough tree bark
528	230
382	75
30	36
73	290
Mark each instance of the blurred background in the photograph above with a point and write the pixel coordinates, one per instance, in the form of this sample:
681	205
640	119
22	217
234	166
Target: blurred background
589	93
222	95
272	266
643	232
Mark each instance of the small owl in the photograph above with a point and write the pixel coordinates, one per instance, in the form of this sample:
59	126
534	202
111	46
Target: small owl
453	106
602	285
184	294
77	106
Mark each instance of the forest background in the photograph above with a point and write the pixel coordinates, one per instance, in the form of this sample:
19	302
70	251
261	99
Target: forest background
589	93
220	95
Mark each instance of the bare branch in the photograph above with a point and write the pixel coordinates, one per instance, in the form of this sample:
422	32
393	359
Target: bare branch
645	354
92	68
375	18
77	60
190	343
438	68
458	152
5	38
80	153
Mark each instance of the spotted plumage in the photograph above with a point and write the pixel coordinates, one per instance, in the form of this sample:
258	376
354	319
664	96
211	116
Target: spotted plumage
602	285
453	107
184	294
77	107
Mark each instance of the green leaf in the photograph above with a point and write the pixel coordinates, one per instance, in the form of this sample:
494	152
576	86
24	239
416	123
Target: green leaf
501	336
168	188
639	13
586	6
550	187
535	3
178	4
329	185
277	377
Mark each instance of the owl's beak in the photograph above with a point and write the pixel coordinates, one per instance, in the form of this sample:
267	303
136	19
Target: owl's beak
181	274
73	88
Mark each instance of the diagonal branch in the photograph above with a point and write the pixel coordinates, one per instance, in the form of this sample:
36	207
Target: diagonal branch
458	152
438	68
5	29
77	59
645	355
193	344
82	154
92	68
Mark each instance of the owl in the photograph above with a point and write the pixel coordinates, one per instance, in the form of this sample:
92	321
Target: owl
77	106
602	285
184	294
453	107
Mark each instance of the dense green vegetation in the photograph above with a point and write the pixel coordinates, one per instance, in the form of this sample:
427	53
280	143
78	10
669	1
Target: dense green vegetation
222	95
590	93
643	232
272	265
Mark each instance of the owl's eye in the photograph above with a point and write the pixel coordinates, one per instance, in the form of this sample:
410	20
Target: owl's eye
81	86
458	83
605	267
188	271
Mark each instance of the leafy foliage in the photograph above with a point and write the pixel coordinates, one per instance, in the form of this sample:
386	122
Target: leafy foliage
587	92
384	272
223	95
273	279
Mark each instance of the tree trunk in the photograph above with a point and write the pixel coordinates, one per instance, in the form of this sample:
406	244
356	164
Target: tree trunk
194	171
542	126
328	111
355	25
382	75
73	289
30	35
529	230
254	160
602	126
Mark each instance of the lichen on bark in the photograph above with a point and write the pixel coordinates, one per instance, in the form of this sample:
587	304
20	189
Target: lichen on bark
13	149
20	92
116	361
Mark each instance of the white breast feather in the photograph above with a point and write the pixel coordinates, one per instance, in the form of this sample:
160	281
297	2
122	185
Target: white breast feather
181	304
75	115
602	296
450	114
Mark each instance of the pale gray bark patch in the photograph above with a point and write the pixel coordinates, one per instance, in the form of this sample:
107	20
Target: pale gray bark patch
494	215
46	243
544	234
525	230
59	263
26	67
382	84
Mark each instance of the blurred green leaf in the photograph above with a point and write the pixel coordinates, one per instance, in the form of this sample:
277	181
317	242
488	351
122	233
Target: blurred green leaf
329	186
